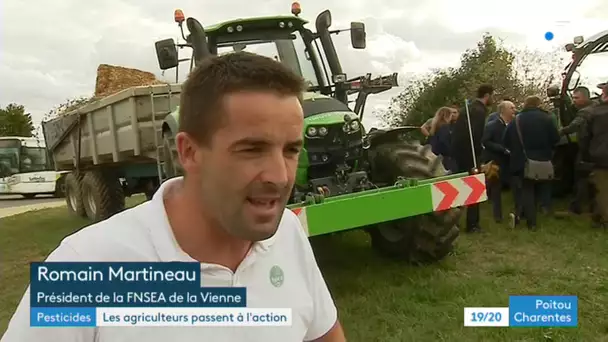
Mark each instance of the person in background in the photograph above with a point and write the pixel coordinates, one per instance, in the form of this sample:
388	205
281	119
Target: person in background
495	115
595	149
581	97
494	152
462	151
441	136
539	136
582	102
426	127
455	109
602	86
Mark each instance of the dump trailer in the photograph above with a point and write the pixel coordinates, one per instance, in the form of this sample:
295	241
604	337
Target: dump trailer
112	146
348	177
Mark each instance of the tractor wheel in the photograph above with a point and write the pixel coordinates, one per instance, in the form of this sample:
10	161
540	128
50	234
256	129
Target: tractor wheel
73	195
421	239
103	195
171	166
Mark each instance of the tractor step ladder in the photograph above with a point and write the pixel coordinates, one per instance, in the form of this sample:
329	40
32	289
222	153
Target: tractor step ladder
158	132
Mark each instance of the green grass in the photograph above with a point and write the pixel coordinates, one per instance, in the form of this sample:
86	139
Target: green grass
386	301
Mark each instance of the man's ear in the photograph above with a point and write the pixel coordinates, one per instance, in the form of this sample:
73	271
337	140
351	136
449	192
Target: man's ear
187	151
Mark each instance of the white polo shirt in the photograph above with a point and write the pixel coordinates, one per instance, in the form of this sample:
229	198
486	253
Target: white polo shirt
143	234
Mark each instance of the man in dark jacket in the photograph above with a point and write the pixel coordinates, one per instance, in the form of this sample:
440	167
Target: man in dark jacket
539	136
595	148
462	151
495	152
582	102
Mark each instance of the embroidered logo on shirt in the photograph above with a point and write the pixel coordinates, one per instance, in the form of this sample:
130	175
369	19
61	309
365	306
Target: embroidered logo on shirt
276	276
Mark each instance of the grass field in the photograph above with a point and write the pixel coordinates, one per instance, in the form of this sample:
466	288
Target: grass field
386	301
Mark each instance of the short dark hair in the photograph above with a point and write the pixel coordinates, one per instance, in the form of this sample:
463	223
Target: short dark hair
583	90
207	85
484	89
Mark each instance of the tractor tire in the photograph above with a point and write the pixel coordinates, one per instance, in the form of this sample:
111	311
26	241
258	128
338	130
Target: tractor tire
103	195
422	239
171	165
73	195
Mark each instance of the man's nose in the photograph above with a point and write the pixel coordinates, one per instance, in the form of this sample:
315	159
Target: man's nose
276	169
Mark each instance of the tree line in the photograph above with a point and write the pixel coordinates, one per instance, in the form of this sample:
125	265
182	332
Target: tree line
514	73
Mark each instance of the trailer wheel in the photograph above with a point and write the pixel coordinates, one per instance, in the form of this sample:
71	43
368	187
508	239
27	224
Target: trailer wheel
421	239
60	187
73	195
171	166
103	195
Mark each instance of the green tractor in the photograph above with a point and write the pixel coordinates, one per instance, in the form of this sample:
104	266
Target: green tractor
567	149
347	177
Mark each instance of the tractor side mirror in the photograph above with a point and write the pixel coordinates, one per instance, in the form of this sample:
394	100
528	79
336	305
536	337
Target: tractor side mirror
166	52
357	35
323	21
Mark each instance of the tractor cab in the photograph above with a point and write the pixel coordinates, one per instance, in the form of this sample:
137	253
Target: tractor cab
334	137
581	50
286	39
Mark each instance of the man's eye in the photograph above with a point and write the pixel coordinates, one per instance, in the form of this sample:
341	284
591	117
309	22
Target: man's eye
294	150
251	150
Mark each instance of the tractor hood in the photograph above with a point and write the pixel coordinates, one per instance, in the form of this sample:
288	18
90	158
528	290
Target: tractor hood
324	110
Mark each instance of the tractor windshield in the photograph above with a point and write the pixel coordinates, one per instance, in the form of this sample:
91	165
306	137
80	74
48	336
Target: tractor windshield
590	73
588	66
287	49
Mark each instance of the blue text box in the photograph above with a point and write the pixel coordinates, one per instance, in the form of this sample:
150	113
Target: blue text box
543	311
63	317
126	284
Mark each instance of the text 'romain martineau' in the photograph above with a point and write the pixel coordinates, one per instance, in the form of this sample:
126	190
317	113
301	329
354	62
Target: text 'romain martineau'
116	274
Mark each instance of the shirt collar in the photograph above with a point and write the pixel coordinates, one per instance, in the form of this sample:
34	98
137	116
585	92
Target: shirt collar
162	235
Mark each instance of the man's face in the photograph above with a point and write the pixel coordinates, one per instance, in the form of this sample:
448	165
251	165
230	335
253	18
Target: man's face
510	112
455	113
579	99
247	173
490	99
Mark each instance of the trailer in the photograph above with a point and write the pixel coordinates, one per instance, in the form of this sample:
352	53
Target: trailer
112	148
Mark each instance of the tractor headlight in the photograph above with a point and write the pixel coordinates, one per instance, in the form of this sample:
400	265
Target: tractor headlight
323	131
351	126
311	131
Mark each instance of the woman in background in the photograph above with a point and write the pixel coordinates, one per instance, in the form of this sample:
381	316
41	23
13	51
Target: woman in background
441	136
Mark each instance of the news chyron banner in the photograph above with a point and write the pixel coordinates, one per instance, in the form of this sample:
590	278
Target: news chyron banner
526	311
132	294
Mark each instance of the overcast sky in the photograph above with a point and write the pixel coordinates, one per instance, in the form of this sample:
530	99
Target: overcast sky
51	49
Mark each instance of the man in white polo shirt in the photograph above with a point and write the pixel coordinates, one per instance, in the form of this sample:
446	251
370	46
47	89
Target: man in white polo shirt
240	136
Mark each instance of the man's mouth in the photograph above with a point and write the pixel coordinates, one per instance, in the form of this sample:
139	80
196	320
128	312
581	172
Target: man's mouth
263	202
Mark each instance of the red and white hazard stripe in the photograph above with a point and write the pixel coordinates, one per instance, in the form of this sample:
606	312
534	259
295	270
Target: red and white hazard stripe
459	192
301	213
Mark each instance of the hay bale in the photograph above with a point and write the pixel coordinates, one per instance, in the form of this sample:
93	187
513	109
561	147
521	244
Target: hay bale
111	79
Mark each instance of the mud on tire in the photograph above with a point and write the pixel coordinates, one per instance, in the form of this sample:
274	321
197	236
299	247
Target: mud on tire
102	195
421	239
73	195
